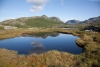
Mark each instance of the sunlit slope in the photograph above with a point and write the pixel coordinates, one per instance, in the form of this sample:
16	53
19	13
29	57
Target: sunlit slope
37	21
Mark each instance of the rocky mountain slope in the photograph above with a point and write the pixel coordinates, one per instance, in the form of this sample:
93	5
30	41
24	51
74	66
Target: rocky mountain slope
73	22
93	21
36	21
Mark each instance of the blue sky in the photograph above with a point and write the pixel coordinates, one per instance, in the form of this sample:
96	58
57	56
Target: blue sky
64	9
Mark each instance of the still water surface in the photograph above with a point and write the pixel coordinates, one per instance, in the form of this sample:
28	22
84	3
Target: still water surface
42	43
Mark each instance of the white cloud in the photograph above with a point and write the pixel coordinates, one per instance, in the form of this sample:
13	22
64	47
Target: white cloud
36	8
37	4
62	2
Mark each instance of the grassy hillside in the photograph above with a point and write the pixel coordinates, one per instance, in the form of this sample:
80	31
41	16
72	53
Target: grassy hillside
27	22
41	22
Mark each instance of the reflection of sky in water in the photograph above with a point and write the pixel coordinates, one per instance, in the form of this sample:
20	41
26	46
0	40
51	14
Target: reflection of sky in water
28	45
37	48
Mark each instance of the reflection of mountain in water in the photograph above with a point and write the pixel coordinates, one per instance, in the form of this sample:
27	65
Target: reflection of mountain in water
43	34
37	48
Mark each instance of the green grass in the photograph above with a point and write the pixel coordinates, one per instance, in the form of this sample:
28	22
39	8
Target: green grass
41	22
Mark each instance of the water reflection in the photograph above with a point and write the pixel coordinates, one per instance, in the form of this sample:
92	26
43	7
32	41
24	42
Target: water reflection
37	48
42	42
42	34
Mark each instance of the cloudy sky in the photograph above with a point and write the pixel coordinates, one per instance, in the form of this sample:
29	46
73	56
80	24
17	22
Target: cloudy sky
64	9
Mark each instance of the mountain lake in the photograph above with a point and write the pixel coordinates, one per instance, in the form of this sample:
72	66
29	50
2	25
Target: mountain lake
40	43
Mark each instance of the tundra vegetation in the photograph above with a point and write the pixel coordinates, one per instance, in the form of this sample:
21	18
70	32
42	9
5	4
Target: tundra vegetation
90	42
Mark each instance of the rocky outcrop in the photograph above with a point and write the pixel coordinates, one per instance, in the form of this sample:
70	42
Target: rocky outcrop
44	16
55	19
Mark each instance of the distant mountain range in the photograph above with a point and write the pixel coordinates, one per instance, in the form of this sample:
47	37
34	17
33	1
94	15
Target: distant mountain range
47	22
73	22
36	21
92	20
89	21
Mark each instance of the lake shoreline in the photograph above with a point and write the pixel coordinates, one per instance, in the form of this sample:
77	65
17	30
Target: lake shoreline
90	55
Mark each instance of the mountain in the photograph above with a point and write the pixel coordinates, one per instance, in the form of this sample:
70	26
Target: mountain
44	16
92	20
73	22
36	21
95	21
55	19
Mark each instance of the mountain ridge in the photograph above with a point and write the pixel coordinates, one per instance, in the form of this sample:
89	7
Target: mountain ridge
73	21
90	20
35	21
